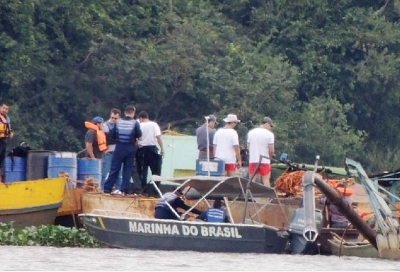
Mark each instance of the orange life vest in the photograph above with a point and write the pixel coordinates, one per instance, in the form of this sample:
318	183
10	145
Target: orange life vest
368	217
4	127
101	136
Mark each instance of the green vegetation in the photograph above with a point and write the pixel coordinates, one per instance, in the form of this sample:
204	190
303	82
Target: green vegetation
51	235
327	72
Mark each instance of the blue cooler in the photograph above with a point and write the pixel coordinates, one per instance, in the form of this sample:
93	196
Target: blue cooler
215	167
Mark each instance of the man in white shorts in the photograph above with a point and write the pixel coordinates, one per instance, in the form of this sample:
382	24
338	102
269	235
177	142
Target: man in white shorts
226	145
261	142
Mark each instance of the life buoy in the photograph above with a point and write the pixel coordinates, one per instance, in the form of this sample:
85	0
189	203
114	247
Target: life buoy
101	136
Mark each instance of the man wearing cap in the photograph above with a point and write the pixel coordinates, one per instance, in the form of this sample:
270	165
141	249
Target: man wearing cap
201	134
95	139
167	206
226	145
261	142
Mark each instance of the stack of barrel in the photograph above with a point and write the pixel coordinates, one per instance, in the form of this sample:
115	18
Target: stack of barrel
14	169
41	164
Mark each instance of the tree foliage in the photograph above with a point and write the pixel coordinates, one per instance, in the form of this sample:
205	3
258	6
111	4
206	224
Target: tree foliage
326	72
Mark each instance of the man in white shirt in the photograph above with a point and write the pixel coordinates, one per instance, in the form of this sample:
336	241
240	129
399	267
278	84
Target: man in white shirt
261	142
147	154
226	145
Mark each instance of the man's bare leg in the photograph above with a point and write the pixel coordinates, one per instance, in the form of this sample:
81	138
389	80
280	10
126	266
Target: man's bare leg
266	181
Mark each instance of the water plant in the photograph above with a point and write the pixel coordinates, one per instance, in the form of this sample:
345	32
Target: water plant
46	235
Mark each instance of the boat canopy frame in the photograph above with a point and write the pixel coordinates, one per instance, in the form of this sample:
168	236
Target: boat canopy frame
218	187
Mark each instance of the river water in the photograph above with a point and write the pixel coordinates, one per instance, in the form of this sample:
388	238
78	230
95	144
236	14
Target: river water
106	259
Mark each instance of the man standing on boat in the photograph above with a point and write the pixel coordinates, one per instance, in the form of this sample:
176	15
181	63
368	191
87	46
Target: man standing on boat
201	134
95	139
167	207
107	126
261	146
5	134
126	132
148	154
226	145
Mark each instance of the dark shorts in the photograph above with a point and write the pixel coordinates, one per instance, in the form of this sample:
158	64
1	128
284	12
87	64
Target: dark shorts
3	148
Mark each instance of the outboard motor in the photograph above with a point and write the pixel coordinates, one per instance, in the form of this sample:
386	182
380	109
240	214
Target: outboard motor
301	241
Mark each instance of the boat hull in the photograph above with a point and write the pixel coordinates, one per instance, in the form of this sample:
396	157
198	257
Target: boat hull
67	215
364	250
31	203
158	234
276	213
32	216
326	234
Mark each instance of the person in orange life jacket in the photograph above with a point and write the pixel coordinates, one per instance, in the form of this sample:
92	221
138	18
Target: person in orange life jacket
175	200
125	132
95	139
215	214
5	134
107	126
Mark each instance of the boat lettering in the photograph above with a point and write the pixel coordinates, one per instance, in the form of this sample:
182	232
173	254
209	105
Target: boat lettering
186	230
229	232
190	230
154	228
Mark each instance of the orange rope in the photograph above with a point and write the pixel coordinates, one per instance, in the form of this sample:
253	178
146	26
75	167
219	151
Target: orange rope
290	183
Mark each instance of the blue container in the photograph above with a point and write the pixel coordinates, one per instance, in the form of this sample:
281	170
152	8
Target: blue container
89	168
14	169
62	162
215	167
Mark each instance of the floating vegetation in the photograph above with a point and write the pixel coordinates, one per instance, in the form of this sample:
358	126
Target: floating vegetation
46	235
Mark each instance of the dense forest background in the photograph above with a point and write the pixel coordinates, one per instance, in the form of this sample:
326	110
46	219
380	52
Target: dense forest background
327	72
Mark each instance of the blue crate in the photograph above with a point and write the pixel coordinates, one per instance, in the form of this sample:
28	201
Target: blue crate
216	167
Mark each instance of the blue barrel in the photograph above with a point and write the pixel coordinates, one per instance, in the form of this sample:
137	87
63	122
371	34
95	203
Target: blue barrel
89	168
14	169
62	162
